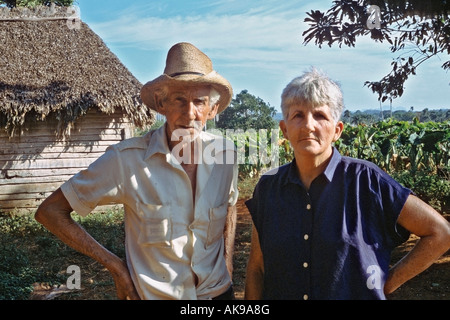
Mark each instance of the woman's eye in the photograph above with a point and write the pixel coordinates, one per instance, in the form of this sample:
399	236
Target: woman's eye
320	116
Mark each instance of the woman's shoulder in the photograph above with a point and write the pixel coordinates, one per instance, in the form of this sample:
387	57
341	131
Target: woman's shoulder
356	164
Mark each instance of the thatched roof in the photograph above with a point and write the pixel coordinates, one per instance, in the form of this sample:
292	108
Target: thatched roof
48	69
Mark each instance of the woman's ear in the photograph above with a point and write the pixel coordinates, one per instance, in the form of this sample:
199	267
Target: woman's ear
338	131
282	125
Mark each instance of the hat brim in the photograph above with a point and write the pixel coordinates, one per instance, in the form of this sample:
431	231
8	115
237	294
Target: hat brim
213	79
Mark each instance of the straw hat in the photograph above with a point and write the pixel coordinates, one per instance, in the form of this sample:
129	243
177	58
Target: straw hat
187	64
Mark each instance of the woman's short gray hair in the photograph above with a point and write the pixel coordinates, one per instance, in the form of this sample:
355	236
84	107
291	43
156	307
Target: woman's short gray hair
313	89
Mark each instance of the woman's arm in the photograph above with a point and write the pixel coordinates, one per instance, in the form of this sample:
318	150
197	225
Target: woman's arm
434	232
254	283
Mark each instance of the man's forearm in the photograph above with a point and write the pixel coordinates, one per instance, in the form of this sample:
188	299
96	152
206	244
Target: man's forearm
54	214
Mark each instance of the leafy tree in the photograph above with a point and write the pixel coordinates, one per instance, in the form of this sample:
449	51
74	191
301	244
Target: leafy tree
247	112
369	117
34	3
415	29
359	117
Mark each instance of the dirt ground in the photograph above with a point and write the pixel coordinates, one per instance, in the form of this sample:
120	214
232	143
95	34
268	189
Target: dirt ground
432	284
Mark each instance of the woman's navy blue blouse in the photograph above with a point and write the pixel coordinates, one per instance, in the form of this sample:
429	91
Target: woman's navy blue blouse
333	241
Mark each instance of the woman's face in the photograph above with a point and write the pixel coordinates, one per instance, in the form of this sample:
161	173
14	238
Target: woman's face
311	130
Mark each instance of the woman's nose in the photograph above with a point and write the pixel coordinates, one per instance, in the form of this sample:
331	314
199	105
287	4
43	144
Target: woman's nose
309	122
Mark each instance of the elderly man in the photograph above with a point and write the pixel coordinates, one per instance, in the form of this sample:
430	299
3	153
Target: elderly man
179	207
325	225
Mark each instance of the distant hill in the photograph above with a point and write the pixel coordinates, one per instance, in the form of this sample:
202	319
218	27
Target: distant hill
374	115
278	116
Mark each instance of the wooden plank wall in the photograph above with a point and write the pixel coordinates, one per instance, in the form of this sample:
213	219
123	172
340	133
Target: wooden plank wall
35	164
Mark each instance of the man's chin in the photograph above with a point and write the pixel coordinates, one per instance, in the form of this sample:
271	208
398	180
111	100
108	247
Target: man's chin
186	133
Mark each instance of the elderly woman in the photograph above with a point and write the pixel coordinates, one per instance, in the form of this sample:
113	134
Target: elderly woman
324	226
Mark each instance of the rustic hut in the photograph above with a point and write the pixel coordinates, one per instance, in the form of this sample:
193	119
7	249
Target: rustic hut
64	98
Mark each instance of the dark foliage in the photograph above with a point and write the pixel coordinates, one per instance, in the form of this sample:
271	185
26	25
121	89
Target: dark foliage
417	30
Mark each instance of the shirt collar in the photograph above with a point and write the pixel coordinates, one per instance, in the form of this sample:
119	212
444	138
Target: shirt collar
328	173
158	143
332	165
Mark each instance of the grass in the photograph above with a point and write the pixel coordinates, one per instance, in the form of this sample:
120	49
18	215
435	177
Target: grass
33	261
29	254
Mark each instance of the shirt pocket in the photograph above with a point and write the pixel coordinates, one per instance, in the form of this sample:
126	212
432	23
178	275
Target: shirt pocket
217	218
156	225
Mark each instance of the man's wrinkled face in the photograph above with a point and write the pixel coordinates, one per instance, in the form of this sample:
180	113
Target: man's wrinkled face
186	110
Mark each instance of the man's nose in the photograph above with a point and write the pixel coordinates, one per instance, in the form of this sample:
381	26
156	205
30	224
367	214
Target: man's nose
191	110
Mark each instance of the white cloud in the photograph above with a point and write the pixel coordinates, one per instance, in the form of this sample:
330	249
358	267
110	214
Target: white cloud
261	39
212	31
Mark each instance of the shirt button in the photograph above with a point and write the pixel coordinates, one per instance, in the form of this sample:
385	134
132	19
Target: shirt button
305	297
308	207
306	237
305	264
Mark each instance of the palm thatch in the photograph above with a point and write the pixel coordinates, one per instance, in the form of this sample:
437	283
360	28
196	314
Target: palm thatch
49	69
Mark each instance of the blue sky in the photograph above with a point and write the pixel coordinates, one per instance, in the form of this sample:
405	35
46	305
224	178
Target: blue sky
257	45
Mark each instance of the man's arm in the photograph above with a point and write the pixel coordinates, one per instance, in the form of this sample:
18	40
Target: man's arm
254	283
434	232
229	235
54	214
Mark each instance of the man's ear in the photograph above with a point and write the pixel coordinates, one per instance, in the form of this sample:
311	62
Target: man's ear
159	105
213	112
